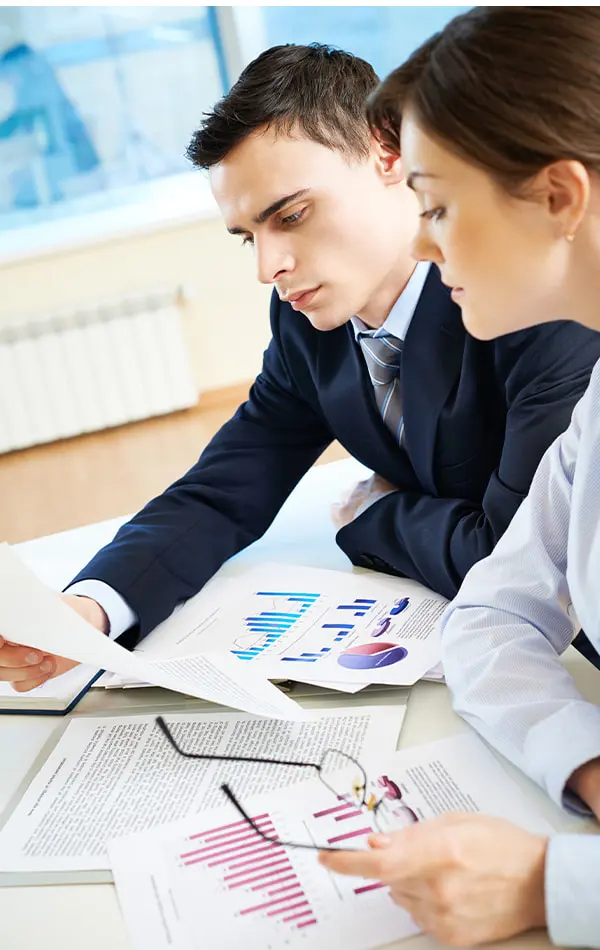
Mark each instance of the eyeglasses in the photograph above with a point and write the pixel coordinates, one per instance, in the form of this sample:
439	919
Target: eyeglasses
341	775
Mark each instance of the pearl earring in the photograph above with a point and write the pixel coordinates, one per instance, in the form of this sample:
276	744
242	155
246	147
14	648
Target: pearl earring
570	238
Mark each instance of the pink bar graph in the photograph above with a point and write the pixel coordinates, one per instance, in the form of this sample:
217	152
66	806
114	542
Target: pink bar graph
369	887
267	904
262	848
259	874
332	811
235	824
271	852
269	864
349	814
303	913
350	834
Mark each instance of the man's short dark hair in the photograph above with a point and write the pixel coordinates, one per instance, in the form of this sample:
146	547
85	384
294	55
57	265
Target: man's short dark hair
318	90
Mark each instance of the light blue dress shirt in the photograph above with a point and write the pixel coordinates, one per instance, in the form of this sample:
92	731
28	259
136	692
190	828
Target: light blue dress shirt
120	615
502	636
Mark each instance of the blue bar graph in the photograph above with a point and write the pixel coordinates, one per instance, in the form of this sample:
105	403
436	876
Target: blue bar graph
269	618
265	629
292	595
276	616
337	626
359	607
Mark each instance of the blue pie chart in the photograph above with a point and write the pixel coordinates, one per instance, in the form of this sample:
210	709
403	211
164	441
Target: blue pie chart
372	656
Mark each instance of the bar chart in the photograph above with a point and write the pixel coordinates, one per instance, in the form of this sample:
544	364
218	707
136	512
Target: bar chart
258	877
282	611
326	826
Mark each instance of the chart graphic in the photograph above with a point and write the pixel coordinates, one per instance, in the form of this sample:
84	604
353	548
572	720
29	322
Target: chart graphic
259	877
282	611
372	656
327	827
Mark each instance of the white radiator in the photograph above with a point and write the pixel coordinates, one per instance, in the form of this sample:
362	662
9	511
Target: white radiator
92	368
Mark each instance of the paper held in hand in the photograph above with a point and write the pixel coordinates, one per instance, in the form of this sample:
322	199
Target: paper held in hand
33	615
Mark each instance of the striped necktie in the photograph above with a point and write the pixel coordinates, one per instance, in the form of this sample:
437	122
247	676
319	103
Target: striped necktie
383	356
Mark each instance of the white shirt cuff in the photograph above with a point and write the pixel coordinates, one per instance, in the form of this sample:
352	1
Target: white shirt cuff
371	501
572	889
559	745
120	615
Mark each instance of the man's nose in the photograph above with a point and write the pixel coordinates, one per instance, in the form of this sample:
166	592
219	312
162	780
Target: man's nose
272	260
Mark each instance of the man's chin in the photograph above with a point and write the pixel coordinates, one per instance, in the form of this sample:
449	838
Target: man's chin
325	321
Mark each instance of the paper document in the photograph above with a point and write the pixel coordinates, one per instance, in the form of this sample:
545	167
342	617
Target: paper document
310	624
33	615
115	775
248	893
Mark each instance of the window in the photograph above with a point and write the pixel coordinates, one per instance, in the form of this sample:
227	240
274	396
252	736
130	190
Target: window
384	36
96	100
98	104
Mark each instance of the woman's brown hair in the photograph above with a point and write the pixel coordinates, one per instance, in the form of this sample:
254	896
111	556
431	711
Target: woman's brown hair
510	89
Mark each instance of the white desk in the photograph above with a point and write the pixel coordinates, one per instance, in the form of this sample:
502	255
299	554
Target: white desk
88	916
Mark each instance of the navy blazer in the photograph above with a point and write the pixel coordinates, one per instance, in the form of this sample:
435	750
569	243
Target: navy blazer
477	418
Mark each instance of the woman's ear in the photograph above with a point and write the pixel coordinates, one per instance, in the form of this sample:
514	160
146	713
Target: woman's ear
565	187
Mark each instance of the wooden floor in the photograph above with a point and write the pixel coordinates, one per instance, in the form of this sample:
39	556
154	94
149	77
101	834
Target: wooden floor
54	487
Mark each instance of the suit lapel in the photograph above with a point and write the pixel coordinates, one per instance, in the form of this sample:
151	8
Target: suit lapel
431	364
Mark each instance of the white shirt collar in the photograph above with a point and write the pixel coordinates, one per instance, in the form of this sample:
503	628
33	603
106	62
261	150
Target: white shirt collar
399	317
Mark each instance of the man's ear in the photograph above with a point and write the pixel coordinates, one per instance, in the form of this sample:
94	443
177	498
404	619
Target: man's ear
565	189
387	162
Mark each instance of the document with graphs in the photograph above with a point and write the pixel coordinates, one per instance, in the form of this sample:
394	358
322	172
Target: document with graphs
213	881
311	625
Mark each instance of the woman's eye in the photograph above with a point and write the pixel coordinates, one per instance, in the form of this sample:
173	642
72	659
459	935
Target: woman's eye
433	214
294	218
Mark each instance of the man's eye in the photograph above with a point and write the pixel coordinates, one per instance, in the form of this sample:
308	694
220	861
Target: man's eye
433	214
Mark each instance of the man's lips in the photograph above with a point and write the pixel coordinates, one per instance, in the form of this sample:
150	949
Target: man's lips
300	298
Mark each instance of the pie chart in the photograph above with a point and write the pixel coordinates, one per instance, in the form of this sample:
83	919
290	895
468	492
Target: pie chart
371	656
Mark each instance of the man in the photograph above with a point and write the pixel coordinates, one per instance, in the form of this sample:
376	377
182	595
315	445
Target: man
367	348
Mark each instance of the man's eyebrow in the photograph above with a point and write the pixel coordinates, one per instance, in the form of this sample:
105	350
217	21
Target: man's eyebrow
271	210
410	181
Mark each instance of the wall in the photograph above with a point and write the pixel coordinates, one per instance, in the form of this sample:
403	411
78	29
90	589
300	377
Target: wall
227	322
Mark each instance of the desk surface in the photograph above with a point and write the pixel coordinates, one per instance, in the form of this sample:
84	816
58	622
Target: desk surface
72	917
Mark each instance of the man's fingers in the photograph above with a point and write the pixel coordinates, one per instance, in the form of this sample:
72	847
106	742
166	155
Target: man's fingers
24	686
62	665
368	864
43	670
18	656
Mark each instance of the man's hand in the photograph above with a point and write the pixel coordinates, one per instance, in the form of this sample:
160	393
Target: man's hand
585	782
465	879
370	490
26	668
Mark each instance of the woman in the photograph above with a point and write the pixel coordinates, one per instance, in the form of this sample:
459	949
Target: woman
499	118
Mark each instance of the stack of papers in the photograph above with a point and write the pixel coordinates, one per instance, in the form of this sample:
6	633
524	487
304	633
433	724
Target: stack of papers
342	630
211	881
118	774
225	645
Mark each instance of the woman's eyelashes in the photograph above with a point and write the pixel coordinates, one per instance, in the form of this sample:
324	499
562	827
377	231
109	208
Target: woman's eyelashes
294	218
433	214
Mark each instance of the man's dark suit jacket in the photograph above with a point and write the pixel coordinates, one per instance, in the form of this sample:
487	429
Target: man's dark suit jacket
477	418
